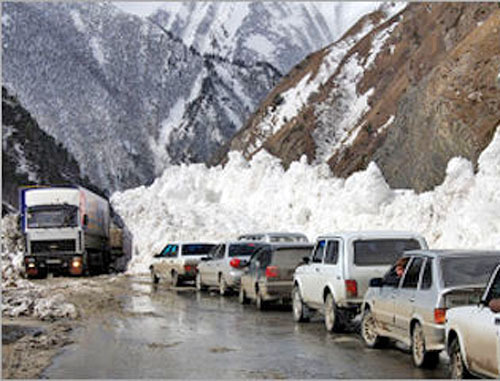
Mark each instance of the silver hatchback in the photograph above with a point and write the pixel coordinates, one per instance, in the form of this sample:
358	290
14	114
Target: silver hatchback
409	304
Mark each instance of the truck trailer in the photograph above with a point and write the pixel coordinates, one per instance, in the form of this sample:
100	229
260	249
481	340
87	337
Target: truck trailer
66	230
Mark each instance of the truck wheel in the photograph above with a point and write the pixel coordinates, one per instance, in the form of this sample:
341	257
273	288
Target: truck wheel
242	297
421	357
300	310
369	331
458	369
333	316
175	279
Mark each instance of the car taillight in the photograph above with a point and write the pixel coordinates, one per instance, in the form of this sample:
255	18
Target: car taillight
351	288
271	272
439	315
188	268
235	262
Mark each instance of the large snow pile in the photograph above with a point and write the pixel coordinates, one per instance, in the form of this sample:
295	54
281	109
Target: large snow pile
192	202
12	251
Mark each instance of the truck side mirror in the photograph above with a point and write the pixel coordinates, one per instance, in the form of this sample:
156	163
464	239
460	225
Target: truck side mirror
85	220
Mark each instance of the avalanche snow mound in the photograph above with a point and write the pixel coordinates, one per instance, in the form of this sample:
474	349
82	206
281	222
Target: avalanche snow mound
193	202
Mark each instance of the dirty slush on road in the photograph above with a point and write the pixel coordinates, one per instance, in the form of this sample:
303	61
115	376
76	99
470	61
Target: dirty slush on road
40	317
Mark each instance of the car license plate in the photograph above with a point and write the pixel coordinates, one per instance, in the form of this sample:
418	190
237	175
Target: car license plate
53	261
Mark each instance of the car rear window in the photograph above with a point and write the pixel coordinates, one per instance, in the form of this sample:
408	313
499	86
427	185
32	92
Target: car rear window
468	271
291	257
377	252
243	249
196	249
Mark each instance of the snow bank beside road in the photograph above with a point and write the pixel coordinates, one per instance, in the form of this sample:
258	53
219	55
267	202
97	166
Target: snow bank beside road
192	202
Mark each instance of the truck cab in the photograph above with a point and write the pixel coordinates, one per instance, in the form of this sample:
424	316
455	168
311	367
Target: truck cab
66	230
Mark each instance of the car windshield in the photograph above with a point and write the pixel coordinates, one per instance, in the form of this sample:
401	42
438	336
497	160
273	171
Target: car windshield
378	252
243	249
55	216
468	271
196	249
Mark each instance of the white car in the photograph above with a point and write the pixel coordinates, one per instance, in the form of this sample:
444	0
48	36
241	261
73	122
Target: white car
336	277
473	335
178	262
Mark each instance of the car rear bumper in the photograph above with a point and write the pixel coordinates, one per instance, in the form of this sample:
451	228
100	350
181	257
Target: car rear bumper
277	290
434	337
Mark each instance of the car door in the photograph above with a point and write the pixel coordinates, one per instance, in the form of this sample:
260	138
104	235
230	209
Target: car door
331	271
383	300
404	301
312	292
168	254
251	275
208	275
218	264
482	335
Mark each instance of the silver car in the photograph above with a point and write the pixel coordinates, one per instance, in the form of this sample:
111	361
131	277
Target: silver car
222	268
411	307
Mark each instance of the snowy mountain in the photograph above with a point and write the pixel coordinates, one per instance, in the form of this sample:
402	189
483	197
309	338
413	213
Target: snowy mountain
23	144
280	33
407	90
121	93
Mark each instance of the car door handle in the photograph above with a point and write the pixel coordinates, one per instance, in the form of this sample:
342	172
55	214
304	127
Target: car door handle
497	321
411	300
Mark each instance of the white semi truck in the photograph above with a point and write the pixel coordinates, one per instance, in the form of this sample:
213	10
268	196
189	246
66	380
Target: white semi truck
66	230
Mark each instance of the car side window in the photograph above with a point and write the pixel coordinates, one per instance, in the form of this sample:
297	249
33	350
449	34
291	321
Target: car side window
318	252
220	252
170	251
266	258
495	288
255	262
412	273
427	275
332	252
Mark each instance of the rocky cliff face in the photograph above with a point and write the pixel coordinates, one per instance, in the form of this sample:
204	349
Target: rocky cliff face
23	144
121	93
407	90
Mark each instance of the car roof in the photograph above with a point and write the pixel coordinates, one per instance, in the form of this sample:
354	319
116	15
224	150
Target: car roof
291	245
371	234
451	253
276	234
244	241
189	243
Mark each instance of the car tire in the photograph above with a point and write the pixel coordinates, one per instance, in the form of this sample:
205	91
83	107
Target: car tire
421	357
223	288
242	297
333	317
260	303
457	368
175	279
368	331
299	309
154	277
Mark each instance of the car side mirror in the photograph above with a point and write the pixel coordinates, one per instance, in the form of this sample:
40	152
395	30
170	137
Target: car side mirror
204	259
376	282
306	260
158	255
85	220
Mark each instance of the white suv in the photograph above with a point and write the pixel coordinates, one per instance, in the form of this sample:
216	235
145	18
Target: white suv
337	275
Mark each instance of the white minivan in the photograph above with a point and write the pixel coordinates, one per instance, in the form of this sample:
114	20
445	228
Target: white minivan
336	276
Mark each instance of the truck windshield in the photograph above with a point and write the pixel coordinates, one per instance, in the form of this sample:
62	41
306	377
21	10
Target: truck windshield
55	216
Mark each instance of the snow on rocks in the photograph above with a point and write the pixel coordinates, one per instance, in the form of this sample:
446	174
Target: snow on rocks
193	202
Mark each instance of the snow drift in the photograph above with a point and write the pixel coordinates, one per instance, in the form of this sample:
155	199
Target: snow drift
192	202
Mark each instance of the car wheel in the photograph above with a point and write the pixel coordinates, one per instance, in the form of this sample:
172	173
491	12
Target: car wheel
242	297
260	303
199	285
154	277
458	369
223	289
175	279
369	331
421	357
332	315
300	310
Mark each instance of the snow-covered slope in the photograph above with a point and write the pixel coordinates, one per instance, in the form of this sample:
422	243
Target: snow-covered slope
198	203
280	33
121	93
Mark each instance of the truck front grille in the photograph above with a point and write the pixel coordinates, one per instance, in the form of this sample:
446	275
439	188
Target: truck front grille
63	245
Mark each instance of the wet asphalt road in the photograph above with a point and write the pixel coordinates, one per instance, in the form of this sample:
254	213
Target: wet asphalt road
179	333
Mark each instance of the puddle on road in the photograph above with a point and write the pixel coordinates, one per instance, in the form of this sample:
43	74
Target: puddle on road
222	349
